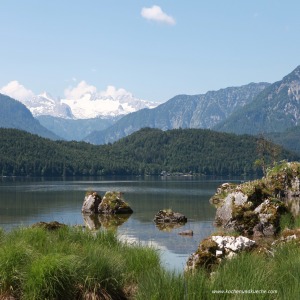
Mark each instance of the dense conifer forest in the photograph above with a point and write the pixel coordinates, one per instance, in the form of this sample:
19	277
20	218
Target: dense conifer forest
147	151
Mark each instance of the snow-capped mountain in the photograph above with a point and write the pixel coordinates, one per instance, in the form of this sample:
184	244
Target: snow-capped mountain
89	105
92	105
45	104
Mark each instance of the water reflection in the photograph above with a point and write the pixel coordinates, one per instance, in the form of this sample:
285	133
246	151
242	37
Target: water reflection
109	222
168	227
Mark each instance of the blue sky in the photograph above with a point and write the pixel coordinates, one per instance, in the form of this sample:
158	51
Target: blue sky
152	49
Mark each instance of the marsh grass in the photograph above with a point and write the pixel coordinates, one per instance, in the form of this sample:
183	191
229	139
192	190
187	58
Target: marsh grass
71	263
286	270
247	271
14	258
51	276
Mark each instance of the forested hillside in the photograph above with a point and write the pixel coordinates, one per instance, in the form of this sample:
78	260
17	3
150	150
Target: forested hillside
14	114
289	139
148	151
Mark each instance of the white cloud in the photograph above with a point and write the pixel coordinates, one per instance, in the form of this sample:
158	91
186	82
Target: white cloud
17	91
155	13
111	91
75	93
80	90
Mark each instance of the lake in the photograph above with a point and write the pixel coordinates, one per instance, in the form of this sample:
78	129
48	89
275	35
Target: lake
24	201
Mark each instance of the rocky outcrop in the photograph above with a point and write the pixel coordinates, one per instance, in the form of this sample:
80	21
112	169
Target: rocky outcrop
91	203
214	249
255	208
168	216
113	203
252	208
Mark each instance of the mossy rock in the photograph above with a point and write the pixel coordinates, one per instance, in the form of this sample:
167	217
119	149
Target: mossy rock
113	203
205	256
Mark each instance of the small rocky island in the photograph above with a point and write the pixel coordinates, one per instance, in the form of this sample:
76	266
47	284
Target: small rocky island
249	214
169	216
167	220
111	203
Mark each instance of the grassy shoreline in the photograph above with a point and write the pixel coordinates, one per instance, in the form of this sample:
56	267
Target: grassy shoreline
71	263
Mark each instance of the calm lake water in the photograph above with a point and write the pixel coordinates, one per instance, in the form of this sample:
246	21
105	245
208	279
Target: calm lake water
27	201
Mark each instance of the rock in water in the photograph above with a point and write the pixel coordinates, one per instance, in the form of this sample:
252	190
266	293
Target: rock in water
91	203
113	203
186	232
168	216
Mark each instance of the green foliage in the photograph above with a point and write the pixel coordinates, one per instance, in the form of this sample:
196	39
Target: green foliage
148	151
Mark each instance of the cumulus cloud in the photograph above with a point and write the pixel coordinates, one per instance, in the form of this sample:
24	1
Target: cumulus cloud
113	92
155	13
17	91
80	90
83	88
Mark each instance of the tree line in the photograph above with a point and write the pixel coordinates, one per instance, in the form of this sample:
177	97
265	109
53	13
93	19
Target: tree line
147	151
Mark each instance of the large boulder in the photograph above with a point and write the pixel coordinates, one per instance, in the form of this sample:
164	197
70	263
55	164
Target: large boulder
91	203
113	203
255	207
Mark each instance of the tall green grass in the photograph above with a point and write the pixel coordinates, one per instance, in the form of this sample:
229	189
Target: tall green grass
71	263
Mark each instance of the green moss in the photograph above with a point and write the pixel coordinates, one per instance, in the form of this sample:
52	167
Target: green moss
208	245
207	254
245	218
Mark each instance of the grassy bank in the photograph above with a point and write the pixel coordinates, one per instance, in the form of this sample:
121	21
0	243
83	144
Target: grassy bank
70	263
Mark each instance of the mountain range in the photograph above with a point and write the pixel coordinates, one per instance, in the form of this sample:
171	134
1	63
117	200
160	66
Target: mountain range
256	108
182	111
275	109
269	109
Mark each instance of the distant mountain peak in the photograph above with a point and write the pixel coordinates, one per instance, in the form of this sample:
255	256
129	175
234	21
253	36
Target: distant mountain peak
47	96
293	76
273	110
88	105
